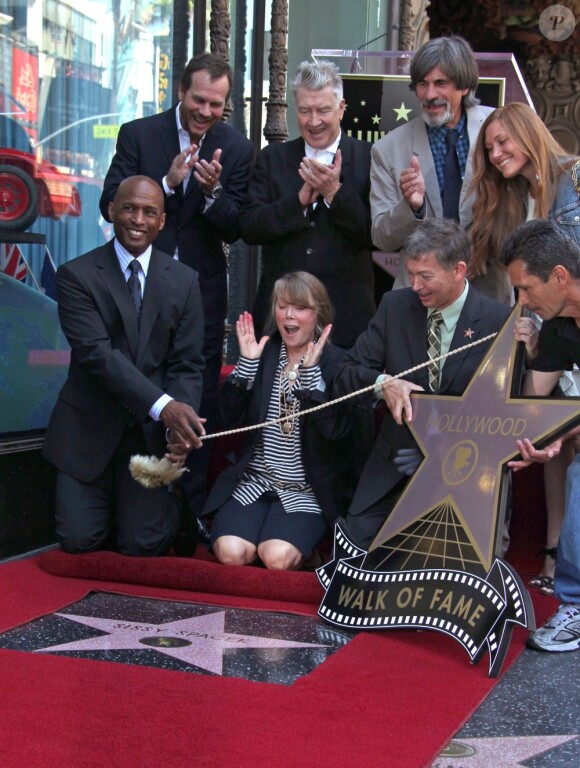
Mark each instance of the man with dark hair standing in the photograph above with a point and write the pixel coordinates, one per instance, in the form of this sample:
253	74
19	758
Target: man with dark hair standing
308	206
203	166
422	170
437	314
544	266
133	318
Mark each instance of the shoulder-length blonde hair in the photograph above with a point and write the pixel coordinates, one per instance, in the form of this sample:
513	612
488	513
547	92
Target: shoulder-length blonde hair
500	204
302	290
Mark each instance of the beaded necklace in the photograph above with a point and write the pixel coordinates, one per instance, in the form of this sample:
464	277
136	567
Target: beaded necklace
288	404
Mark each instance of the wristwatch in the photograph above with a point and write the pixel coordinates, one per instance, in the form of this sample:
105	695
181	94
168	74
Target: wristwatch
216	191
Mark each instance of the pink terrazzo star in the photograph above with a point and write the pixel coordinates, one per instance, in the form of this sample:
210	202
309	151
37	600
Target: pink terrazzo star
200	640
497	752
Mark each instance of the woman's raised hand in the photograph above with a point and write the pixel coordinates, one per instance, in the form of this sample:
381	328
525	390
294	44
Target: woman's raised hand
249	347
314	351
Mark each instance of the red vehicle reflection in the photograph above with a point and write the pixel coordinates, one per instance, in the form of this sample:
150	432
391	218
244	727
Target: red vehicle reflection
30	188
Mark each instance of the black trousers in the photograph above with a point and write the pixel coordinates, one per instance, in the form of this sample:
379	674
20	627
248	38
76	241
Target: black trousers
114	511
362	528
194	482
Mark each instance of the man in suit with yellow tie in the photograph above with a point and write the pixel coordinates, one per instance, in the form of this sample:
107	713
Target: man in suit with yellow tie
440	303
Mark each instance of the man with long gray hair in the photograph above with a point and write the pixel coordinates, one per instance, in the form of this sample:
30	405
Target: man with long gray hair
308	205
422	169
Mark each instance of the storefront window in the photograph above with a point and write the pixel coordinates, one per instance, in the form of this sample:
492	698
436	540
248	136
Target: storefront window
71	72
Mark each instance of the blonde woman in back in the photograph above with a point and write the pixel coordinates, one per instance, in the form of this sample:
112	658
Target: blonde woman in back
520	172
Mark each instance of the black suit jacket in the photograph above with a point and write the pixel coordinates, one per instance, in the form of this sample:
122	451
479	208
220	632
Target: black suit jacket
326	440
148	146
118	369
395	341
332	243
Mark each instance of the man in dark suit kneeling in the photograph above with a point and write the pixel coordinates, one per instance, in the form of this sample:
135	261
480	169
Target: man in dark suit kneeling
203	166
133	318
437	257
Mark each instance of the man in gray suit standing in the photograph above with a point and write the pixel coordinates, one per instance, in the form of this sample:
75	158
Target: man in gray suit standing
422	170
133	318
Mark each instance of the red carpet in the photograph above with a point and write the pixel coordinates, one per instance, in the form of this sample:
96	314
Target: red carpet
393	698
196	575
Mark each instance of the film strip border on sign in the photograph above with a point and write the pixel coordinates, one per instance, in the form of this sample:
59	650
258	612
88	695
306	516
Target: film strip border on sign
343	549
419	621
477	612
401	622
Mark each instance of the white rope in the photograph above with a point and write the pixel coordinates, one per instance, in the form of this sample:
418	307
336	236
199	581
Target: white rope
152	472
349	395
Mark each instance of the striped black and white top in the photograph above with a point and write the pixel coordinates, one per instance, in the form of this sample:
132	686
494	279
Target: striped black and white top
276	464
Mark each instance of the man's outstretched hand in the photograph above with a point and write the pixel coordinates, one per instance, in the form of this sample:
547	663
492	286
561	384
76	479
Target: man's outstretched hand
184	429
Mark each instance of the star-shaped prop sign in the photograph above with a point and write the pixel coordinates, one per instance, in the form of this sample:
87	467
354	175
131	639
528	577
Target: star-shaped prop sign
466	442
200	640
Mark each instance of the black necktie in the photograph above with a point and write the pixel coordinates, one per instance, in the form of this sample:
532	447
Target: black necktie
316	205
451	178
135	286
434	349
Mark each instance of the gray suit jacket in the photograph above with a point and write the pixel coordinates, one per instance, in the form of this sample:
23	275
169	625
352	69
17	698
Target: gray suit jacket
118	369
392	218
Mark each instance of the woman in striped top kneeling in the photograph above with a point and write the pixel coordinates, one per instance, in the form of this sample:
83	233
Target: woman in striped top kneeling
294	474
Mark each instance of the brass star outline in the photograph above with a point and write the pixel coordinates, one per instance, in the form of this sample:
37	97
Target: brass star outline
466	442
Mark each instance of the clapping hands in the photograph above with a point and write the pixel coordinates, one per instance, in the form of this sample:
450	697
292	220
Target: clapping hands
319	179
412	185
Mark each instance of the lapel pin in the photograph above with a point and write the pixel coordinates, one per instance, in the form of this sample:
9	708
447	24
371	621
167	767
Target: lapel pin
468	332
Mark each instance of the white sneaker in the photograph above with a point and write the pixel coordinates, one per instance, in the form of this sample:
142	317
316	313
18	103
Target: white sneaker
560	633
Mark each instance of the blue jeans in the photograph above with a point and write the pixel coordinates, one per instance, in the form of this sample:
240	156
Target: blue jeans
567	578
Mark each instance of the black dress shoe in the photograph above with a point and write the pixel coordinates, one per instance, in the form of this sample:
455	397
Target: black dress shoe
188	535
204	532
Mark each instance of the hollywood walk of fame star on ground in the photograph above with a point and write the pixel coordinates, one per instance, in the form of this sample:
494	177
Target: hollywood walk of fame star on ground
199	640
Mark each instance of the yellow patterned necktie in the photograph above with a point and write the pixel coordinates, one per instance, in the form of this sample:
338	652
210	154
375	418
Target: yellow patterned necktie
434	349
